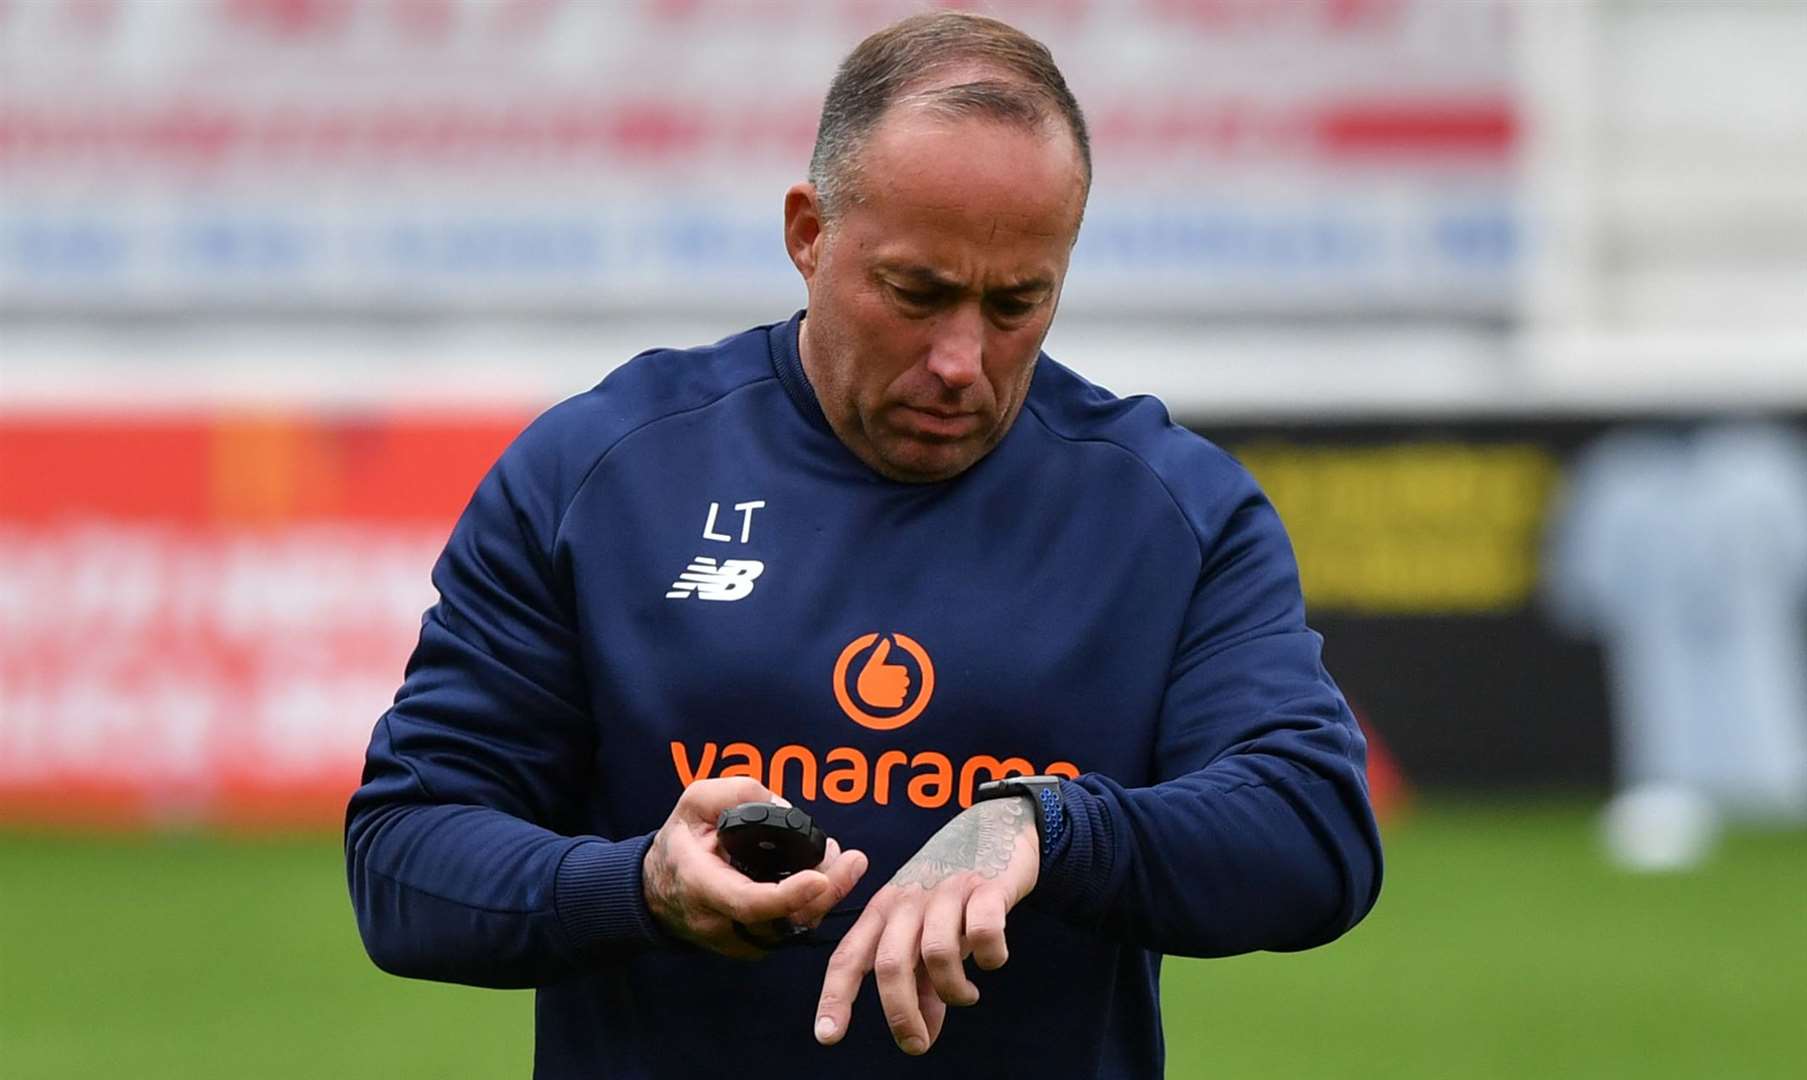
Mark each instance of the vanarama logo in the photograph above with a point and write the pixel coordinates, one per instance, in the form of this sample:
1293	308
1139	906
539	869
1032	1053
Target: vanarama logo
882	682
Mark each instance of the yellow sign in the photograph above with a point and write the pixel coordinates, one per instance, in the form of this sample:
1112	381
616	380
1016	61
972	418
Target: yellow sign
1411	528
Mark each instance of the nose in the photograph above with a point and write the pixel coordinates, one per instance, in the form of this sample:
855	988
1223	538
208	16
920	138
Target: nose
957	347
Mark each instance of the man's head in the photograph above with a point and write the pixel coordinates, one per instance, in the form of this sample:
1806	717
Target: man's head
946	190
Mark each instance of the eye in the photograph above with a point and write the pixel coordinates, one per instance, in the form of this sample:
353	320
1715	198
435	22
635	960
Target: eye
914	297
1012	307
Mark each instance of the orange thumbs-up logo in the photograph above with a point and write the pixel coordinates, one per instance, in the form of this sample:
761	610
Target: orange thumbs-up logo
883	683
880	683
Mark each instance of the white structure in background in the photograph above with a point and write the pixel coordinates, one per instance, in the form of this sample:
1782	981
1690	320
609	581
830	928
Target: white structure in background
1665	159
1664	165
1302	208
1688	558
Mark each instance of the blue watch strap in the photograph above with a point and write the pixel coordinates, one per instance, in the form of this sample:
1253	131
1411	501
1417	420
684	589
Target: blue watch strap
1053	817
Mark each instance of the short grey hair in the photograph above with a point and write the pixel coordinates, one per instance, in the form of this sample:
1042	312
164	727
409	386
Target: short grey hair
1020	85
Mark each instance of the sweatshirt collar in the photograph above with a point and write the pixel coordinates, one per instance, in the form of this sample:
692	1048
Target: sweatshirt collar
787	362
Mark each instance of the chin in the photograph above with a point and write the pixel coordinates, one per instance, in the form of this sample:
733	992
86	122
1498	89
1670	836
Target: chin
920	465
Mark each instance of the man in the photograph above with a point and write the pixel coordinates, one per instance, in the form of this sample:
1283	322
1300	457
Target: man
867	559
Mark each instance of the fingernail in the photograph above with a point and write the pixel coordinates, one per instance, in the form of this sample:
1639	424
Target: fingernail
912	1046
781	800
824	1028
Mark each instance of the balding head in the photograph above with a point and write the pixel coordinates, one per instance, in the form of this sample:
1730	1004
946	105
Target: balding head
950	64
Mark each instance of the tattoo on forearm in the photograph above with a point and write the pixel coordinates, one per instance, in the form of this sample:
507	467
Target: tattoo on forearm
980	839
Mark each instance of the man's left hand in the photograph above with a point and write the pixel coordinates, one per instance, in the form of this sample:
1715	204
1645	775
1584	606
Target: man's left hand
947	903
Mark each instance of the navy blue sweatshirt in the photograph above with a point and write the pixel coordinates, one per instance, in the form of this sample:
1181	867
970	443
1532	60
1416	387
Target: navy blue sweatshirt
683	573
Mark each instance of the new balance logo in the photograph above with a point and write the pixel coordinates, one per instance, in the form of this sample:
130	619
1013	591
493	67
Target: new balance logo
731	580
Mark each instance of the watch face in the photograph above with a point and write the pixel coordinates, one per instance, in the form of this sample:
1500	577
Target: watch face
1016	785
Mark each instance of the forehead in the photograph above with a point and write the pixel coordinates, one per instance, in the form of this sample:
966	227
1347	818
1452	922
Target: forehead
988	188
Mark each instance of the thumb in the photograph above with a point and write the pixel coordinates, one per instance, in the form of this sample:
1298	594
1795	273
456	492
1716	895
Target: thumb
877	657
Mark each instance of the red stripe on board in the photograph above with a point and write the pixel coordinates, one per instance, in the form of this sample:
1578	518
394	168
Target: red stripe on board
75	467
246	468
1478	129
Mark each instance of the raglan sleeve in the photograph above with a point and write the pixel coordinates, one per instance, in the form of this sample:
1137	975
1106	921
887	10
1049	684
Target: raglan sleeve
458	844
1257	833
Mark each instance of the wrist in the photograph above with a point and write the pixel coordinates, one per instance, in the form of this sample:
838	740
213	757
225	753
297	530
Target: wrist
1080	872
1046	807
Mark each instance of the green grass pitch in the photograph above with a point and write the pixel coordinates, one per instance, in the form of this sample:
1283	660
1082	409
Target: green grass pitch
1502	947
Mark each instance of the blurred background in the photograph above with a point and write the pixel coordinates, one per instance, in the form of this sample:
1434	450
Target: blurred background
1505	303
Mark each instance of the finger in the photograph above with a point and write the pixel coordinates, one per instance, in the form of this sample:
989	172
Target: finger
716	932
843	875
943	954
847	968
738	942
894	967
934	1010
703	801
743	900
761	936
985	914
717	886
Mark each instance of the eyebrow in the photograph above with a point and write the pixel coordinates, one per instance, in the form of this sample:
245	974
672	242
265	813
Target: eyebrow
926	275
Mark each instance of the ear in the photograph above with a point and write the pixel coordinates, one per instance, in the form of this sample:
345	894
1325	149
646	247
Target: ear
803	228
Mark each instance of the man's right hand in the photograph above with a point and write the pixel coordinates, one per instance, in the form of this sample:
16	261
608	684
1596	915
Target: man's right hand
695	895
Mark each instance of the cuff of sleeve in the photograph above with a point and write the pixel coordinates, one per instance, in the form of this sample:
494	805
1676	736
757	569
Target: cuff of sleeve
1076	867
600	898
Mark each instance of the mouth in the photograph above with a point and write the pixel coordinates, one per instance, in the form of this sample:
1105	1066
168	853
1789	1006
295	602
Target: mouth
938	424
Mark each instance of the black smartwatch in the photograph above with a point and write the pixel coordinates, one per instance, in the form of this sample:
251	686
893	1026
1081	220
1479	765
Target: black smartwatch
1044	792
